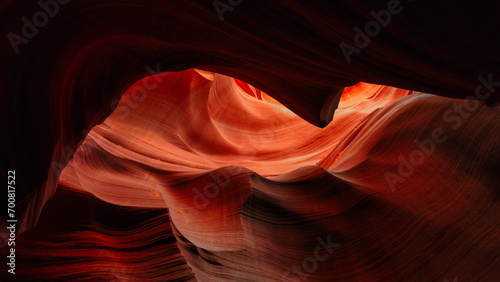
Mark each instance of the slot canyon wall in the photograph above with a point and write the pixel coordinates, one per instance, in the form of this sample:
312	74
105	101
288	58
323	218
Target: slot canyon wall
250	140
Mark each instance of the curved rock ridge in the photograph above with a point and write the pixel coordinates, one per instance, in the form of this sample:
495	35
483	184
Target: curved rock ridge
398	186
67	63
191	124
79	237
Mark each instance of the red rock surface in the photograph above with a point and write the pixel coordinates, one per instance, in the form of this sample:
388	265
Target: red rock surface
249	190
234	171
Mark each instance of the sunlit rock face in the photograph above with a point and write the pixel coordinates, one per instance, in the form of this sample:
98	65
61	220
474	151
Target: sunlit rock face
199	176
